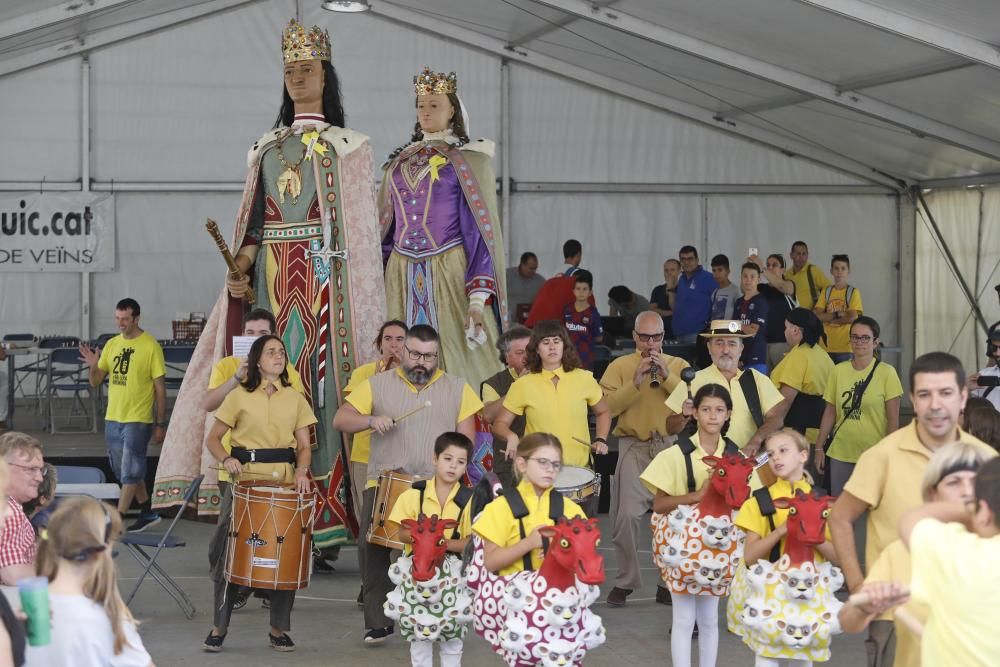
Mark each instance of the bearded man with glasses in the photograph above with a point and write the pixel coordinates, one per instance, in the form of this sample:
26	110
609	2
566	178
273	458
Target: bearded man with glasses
636	387
432	402
26	470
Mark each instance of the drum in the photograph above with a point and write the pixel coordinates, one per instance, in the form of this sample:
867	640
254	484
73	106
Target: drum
390	487
582	486
270	538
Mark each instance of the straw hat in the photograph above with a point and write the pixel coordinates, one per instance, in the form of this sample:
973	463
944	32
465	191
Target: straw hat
725	328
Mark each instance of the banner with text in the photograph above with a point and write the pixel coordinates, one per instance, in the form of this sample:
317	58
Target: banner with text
57	231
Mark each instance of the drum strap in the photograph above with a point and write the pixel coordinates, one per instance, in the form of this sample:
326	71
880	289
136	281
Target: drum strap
687	448
462	498
767	510
520	510
244	455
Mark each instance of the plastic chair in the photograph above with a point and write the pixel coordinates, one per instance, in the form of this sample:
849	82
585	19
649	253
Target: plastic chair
65	372
176	358
80	475
28	370
137	543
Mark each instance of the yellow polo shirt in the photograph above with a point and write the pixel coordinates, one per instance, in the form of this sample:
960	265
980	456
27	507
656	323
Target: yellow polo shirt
894	564
806	369
361	443
801	280
132	364
667	472
640	411
741	424
887	479
559	409
751	520
838	336
954	573
259	421
226	368
497	524
362	399
408	507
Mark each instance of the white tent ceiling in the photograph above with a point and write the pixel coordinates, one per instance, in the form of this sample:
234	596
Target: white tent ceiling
902	88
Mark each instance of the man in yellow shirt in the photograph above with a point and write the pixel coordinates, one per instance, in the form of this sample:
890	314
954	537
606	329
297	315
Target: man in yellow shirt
808	278
134	361
637	398
887	478
954	574
725	345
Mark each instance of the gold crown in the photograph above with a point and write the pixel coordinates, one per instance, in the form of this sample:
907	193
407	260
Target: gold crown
435	83
297	43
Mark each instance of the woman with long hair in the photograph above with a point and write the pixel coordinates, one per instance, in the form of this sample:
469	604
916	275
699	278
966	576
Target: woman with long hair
554	396
802	374
91	625
269	422
862	405
441	234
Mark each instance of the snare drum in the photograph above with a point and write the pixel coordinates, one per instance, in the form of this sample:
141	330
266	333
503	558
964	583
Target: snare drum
582	486
270	538
391	486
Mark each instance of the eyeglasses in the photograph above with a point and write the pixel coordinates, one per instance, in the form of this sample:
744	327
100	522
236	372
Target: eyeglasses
864	338
32	470
647	338
549	464
429	357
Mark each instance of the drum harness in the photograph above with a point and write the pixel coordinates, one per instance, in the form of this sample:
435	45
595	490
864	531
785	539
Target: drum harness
462	498
520	510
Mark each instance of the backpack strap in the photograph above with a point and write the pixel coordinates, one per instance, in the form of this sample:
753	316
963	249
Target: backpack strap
519	510
729	447
812	283
748	383
767	510
556	506
421	486
461	499
687	449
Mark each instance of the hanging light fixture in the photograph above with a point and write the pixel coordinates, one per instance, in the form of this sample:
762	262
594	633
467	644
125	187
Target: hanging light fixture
346	6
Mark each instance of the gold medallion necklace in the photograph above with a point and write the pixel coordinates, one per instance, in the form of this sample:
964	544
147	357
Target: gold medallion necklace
289	181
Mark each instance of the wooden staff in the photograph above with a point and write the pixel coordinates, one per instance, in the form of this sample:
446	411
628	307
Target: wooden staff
234	270
400	418
905	617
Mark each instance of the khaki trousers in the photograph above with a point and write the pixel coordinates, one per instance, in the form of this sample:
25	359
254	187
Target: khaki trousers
630	501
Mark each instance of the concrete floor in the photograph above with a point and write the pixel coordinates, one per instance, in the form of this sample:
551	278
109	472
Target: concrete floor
327	623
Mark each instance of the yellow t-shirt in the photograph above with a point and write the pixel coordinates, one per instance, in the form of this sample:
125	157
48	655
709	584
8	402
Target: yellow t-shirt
801	280
751	520
869	424
361	443
887	479
408	507
559	409
132	365
806	369
954	573
363	401
741	424
225	369
497	524
667	472
838	336
639	411
894	564
259	421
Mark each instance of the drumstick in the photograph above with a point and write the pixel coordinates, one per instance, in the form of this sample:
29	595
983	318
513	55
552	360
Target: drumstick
274	473
400	418
583	442
905	617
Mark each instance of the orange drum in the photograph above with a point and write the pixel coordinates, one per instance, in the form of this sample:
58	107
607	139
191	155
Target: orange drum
270	538
390	487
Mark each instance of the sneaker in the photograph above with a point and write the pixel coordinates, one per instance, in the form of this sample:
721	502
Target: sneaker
144	521
618	596
663	596
321	566
265	603
377	635
213	643
240	598
283	643
361	597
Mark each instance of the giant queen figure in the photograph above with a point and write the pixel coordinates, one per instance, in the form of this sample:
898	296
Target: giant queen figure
307	240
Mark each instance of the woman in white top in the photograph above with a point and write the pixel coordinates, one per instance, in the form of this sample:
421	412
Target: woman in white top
91	626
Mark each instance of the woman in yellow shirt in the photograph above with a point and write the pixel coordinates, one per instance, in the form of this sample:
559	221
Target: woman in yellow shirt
554	397
270	423
802	374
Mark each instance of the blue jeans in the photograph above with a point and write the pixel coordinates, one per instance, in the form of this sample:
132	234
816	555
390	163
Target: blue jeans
127	444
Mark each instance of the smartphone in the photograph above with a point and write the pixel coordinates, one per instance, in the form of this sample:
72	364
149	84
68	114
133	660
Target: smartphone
988	381
753	252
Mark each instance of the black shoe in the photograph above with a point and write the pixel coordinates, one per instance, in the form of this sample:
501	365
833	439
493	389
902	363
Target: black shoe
361	597
283	643
377	635
145	520
663	596
240	598
213	643
618	596
321	566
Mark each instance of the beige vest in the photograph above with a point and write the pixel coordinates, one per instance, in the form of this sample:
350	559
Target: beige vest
409	446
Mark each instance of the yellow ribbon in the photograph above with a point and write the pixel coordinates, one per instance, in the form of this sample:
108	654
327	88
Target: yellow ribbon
309	138
436	162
